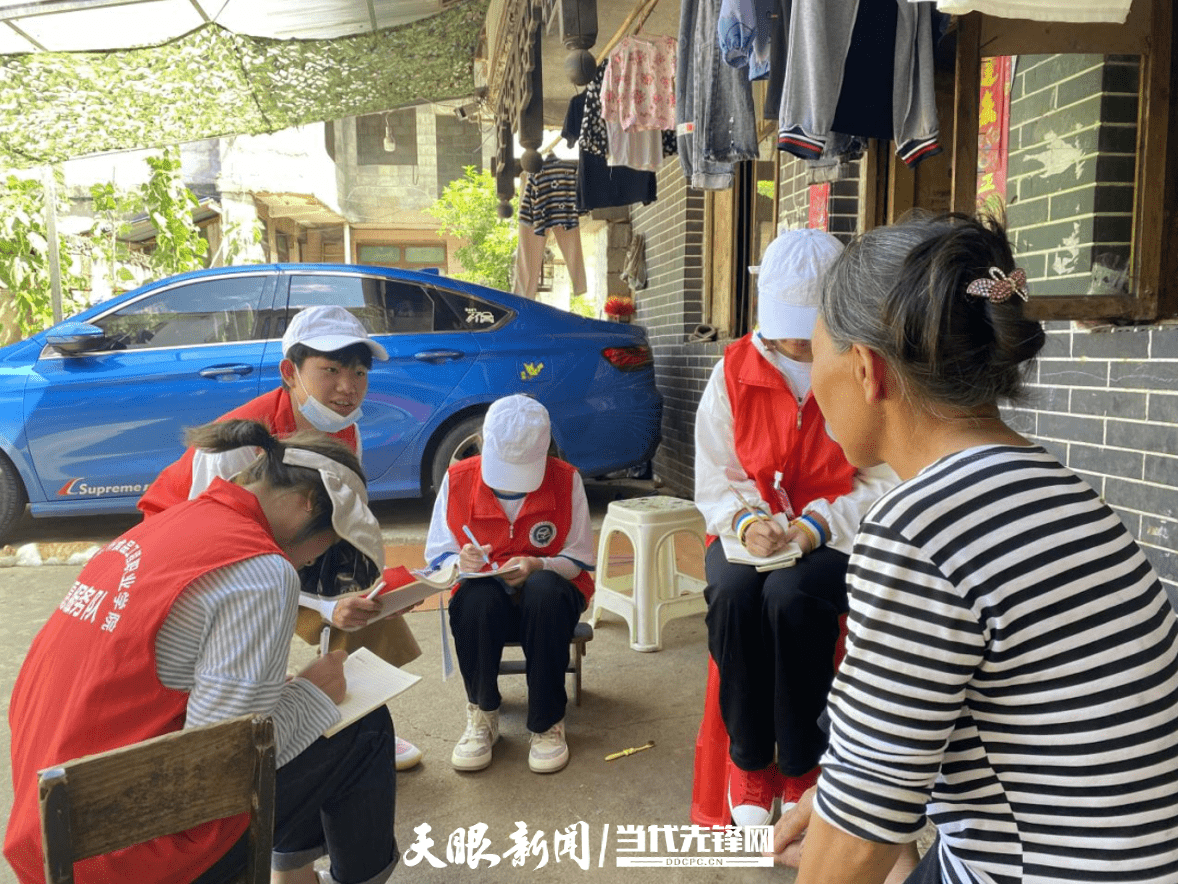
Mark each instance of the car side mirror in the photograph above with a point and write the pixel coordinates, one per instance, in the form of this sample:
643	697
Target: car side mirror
73	337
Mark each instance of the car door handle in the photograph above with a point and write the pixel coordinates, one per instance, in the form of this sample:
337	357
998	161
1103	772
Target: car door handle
220	371
436	356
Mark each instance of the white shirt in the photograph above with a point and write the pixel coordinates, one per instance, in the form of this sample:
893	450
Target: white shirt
577	555
1042	10
717	466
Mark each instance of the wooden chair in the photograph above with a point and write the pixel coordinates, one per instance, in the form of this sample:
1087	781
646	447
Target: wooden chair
582	634
101	803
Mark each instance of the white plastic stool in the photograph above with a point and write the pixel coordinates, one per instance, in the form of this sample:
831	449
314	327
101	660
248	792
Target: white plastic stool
656	591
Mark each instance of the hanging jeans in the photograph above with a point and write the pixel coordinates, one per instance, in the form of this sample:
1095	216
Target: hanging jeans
529	258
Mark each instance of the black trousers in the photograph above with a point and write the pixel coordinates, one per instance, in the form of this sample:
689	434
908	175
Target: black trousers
772	636
338	796
541	616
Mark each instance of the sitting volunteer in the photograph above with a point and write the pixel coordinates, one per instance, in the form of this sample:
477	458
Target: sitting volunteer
767	473
185	620
528	511
327	355
1012	666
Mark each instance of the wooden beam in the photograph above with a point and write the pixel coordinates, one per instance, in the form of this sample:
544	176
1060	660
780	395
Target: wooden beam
967	78
1012	36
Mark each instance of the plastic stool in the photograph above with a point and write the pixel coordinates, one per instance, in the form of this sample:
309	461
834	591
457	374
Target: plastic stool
656	591
709	788
581	634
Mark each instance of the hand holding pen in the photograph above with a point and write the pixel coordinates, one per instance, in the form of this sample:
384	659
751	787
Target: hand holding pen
474	555
759	533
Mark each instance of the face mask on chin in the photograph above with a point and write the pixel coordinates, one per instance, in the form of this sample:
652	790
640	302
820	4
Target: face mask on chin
323	418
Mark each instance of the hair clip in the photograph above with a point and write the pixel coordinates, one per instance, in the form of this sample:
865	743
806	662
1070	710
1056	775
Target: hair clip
999	287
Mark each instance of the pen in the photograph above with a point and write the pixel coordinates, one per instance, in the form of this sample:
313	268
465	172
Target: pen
466	530
325	641
757	514
375	591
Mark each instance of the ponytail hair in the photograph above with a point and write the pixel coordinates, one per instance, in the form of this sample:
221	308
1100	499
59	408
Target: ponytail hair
268	468
901	291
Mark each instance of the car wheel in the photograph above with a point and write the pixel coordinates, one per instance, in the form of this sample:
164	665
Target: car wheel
12	497
462	441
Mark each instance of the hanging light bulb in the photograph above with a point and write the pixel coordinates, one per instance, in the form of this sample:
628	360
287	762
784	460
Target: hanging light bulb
390	141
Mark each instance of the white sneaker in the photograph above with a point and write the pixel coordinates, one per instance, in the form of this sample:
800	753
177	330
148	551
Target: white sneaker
549	751
473	751
408	755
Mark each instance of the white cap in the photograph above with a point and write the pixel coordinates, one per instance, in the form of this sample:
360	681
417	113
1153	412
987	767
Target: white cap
328	328
789	282
351	519
516	433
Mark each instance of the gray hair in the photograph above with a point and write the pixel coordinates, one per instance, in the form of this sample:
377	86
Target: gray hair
900	291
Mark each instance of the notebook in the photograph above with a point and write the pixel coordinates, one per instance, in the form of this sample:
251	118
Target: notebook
371	683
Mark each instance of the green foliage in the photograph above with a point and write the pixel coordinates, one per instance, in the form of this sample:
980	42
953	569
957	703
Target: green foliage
24	254
583	305
169	204
240	240
112	207
468	210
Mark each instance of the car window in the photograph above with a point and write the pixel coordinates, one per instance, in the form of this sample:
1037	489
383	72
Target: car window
384	306
210	311
475	314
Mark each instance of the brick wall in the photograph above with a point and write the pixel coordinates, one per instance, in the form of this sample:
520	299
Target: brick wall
459	144
1071	166
670	308
1106	404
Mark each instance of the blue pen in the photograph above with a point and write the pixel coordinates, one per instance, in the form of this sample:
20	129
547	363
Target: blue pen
466	530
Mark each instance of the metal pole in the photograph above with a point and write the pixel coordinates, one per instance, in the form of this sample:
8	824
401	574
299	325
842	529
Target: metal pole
49	185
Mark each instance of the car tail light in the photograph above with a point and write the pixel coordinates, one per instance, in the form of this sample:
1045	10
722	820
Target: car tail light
633	358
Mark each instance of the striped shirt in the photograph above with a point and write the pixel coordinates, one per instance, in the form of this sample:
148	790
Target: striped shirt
226	641
1013	662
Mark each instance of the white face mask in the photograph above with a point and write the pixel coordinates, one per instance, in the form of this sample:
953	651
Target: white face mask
323	418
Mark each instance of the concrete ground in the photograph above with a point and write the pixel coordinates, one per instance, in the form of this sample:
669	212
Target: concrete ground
628	698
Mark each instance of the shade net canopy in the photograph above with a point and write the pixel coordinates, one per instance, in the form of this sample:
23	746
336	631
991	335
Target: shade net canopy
213	81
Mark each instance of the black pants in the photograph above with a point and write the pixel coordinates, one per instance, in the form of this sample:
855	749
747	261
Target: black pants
772	636
337	796
541	616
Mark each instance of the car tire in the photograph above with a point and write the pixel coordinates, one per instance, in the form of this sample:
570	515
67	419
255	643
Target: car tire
12	497
461	441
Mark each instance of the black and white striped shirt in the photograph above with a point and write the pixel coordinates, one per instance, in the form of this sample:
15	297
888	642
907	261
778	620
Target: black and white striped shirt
1013	662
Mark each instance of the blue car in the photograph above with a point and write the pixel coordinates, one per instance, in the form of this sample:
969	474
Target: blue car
93	408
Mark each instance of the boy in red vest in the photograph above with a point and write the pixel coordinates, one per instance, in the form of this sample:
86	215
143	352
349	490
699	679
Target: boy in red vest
758	431
529	510
327	355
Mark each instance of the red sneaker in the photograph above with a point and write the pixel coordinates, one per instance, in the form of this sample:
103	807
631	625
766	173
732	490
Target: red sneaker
791	788
751	795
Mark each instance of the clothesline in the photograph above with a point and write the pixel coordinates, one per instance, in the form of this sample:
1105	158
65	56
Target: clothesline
636	19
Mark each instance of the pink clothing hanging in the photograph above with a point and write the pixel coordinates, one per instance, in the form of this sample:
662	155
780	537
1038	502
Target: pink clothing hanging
639	86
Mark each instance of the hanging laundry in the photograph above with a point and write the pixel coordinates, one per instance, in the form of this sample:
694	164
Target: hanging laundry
715	119
548	203
746	29
600	185
636	149
839	67
1115	11
638	89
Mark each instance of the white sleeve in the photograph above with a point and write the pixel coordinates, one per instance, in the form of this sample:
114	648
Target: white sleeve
578	553
226	641
716	463
846	512
440	543
209	465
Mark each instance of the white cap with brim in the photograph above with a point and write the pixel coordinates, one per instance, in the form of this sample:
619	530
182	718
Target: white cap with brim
351	519
790	280
516	434
328	328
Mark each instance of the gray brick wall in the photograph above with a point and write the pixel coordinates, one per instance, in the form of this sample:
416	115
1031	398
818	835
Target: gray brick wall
1106	404
1071	166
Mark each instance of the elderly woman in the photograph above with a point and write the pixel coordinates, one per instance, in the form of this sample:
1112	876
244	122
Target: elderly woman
1012	667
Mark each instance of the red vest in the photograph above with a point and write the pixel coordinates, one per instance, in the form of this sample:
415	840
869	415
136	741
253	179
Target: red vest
89	682
273	409
769	437
540	528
